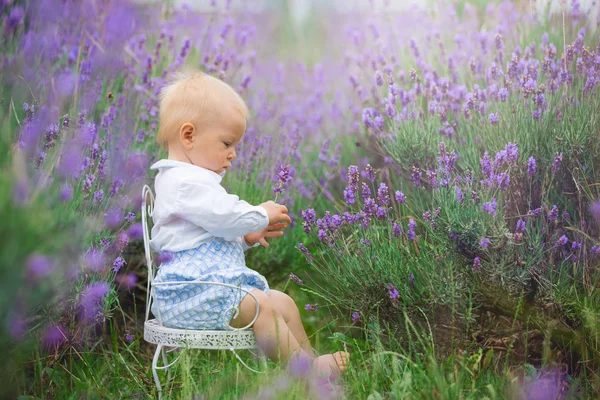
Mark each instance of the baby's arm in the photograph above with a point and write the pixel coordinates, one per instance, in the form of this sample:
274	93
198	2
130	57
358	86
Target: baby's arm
221	214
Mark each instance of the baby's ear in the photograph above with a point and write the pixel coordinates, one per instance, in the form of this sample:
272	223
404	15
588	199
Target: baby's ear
187	134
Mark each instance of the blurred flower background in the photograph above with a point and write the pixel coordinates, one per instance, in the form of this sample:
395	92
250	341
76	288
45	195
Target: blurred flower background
440	160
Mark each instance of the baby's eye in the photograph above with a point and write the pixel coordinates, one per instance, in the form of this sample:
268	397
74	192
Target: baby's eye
227	145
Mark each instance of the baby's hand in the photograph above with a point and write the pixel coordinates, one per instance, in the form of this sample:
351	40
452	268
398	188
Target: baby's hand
277	213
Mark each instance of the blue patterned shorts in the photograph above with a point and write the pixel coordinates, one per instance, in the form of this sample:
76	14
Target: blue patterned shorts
204	306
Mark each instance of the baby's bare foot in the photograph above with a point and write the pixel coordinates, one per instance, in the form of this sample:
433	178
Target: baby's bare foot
335	363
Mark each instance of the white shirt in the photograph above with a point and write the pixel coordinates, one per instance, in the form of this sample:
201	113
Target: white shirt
191	207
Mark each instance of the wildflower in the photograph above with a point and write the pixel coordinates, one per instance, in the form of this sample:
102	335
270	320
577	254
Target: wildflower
91	299
535	212
400	197
486	165
595	250
310	307
378	78
128	337
556	162
562	241
366	192
575	245
503	93
66	193
309	219
98	196
118	264
531	166
490	207
381	212
283	177
493	118
512	153
295	279
397	229
130	217
595	209
476	264
383	195
39	266
53	337
136	231
305	251
365	242
393	291
411	279
355	316
459	194
553	214
416	176
128	281
521	224
566	216
411	229
484	242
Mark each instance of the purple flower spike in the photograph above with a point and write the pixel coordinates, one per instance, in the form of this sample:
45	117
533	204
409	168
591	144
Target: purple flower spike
476	264
562	241
557	161
493	118
400	197
383	195
54	337
310	307
595	209
295	279
370	172
531	166
394	294
118	264
300	365
355	316
490	207
411	229
484	242
39	266
553	214
521	225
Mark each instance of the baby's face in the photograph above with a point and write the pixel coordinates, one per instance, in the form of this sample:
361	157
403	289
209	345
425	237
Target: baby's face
216	140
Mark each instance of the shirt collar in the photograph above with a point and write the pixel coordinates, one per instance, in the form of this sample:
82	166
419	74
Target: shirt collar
166	163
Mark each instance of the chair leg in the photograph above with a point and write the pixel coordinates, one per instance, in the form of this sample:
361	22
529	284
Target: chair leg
165	363
155	372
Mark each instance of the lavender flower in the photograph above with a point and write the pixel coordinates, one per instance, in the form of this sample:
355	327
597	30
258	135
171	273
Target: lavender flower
118	264
128	281
370	172
295	279
595	250
459	194
411	229
355	316
305	251
476	264
521	225
383	195
309	219
595	209
39	266
575	245
366	192
484	242
397	229
553	214
393	291
561	241
556	162
490	207
130	217
416	176
283	177
531	166
310	307
91	299
400	197
128	337
53	337
493	118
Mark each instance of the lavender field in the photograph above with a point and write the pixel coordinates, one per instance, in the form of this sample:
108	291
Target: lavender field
440	162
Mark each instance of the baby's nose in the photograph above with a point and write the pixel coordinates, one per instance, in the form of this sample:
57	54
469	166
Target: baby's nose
232	155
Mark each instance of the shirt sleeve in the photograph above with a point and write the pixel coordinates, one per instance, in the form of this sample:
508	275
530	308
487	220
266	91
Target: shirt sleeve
221	214
245	245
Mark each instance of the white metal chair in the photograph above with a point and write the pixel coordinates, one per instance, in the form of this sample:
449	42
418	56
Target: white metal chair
154	331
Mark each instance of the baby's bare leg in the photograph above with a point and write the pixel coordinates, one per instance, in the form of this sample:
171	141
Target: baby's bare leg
270	328
288	308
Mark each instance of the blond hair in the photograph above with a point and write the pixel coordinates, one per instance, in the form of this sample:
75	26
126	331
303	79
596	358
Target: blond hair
188	97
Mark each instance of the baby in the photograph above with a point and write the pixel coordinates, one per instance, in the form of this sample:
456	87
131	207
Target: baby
206	231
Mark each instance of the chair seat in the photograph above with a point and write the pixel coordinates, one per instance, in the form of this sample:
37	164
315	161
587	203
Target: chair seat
155	333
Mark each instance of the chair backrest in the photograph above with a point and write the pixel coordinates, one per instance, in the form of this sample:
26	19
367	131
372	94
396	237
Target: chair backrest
147	209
